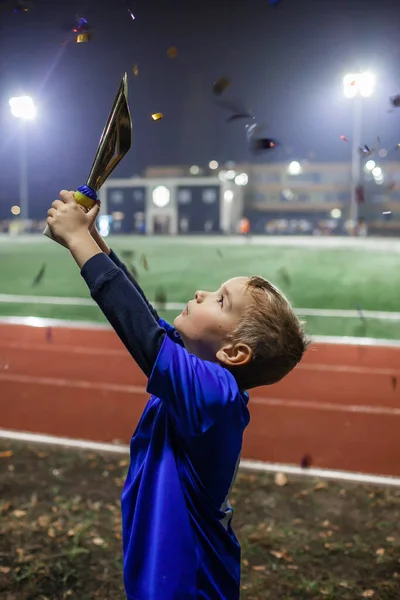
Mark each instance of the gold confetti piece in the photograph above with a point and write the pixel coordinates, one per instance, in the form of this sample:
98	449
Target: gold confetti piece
390	539
245	562
172	52
86	36
135	70
157	116
124	463
6	454
280	479
259	567
368	594
380	552
145	262
19	513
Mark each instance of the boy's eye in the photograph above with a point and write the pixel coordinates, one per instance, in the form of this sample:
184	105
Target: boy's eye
221	300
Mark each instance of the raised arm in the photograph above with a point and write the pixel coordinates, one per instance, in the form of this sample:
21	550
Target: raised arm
113	256
120	302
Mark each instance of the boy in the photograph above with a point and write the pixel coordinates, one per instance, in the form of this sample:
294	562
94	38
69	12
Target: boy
176	518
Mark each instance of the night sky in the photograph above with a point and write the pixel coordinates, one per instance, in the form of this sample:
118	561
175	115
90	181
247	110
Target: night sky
286	63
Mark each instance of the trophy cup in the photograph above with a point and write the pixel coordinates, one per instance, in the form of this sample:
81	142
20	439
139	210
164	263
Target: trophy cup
114	143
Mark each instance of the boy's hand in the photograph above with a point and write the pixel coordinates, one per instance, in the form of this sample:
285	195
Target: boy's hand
68	221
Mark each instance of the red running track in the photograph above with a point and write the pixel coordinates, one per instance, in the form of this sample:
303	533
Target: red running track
341	406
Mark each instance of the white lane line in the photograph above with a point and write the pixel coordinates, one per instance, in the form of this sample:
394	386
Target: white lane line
327	406
91	325
50	347
86	385
133	389
252	465
87	350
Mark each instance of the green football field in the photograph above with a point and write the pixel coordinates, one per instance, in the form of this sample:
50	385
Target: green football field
364	275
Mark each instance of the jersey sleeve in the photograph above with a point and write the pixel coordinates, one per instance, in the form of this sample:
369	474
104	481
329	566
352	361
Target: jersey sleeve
117	261
197	392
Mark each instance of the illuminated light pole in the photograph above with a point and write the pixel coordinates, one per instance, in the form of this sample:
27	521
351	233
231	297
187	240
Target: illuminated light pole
357	86
23	108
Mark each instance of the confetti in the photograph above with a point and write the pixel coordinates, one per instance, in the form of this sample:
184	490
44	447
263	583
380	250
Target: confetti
221	85
360	194
81	26
160	297
20	7
394	382
263	144
6	454
131	14
49	334
280	479
128	254
157	116
144	262
360	312
238	116
39	276
83	37
236	108
135	70
220	253
284	275
395	101
344	138
172	52
133	271
306	461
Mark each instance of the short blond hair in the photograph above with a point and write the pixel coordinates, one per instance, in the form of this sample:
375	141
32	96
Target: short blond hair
274	333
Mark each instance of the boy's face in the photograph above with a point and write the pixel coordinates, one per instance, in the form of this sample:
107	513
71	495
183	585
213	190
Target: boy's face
211	316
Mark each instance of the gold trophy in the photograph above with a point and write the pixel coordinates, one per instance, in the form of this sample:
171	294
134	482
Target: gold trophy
114	143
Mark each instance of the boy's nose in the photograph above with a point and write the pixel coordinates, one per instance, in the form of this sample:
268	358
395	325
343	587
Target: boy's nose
199	296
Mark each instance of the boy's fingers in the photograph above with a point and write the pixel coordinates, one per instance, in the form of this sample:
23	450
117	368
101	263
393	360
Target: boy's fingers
57	203
67	197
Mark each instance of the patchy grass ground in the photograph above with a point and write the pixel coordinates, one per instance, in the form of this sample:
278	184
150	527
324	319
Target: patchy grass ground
60	532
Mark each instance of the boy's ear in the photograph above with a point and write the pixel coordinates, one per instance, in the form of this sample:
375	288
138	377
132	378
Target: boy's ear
234	355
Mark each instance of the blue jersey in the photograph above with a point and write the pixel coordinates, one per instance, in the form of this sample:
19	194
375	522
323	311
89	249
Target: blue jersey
177	536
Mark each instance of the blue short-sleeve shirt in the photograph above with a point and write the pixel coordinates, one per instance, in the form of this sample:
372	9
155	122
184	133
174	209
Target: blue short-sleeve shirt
177	537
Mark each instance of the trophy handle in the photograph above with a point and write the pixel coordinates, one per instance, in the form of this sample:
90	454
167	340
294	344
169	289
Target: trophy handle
86	197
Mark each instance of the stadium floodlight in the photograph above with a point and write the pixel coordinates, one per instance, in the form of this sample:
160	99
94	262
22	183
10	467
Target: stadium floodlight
358	86
22	107
213	164
242	179
370	165
355	84
295	168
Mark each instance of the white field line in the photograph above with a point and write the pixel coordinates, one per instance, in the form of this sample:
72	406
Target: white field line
306	312
251	465
92	325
